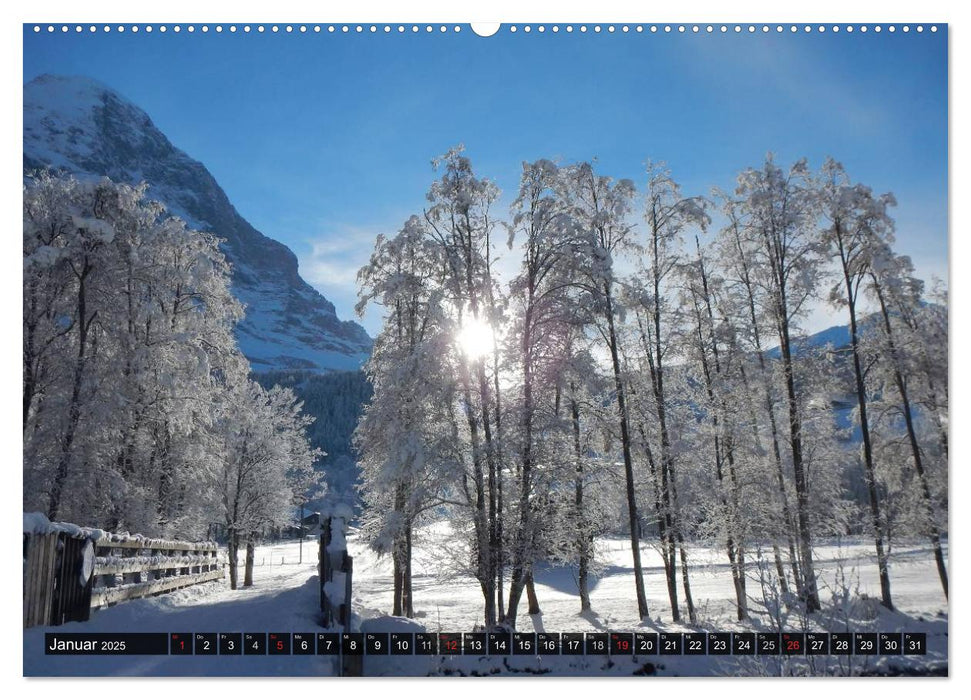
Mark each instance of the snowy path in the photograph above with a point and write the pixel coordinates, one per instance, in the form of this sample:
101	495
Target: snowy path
284	598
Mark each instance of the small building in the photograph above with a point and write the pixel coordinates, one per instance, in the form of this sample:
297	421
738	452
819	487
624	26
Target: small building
310	525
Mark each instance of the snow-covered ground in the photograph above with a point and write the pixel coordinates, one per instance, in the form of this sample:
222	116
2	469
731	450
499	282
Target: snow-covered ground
285	599
453	603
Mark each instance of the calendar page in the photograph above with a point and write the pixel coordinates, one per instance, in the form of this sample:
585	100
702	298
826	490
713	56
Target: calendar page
591	349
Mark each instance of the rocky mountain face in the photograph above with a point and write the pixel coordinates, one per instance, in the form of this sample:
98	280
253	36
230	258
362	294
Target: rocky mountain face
80	126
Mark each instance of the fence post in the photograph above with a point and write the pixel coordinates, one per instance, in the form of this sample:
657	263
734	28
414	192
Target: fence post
333	561
350	665
346	606
324	571
40	557
72	595
57	589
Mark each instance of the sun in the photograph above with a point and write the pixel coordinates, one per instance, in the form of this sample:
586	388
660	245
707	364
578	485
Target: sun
475	339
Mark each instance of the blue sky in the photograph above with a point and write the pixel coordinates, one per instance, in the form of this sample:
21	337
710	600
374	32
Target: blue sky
324	140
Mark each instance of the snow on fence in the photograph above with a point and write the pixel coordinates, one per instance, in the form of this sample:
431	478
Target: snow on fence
335	568
129	569
68	570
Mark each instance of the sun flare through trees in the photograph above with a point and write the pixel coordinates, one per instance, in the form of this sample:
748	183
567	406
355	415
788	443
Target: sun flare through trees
652	377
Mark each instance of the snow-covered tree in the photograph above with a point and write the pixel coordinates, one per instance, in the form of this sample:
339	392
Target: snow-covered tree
460	224
267	464
405	454
602	207
908	340
856	222
737	253
667	215
128	324
780	209
545	318
714	349
136	397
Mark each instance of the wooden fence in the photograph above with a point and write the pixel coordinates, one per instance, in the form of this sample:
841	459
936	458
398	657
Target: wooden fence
68	572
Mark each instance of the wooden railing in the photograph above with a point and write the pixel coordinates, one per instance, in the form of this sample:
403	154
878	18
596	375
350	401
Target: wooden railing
68	570
131	568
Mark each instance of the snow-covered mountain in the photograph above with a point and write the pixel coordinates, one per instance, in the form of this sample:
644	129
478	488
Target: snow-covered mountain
836	337
81	126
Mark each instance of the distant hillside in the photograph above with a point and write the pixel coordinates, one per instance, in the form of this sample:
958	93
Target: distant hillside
337	400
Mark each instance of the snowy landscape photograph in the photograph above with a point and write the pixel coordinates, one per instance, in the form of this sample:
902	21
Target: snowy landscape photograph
397	350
